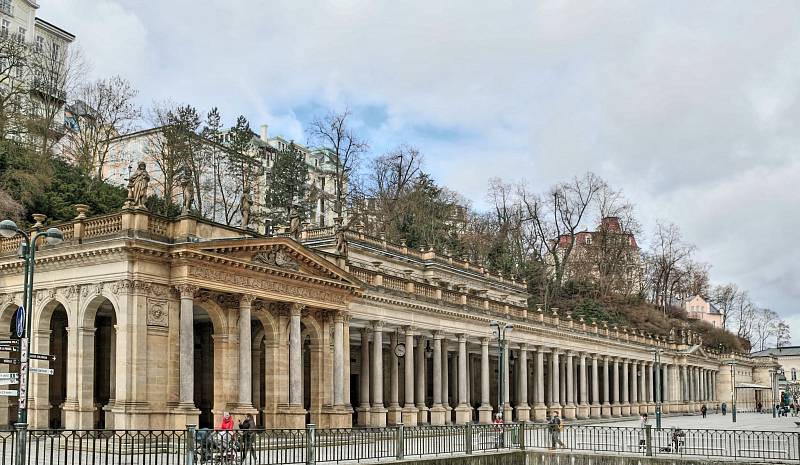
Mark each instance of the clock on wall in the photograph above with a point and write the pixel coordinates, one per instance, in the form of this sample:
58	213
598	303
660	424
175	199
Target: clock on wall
400	350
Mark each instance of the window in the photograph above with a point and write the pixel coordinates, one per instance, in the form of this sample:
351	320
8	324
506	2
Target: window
4	28
588	240
39	43
22	34
794	374
56	49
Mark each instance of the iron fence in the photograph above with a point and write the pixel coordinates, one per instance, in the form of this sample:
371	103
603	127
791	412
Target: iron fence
353	445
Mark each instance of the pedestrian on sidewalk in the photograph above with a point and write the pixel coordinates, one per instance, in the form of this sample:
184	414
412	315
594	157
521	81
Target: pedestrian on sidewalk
703	410
555	427
499	434
724	409
643	423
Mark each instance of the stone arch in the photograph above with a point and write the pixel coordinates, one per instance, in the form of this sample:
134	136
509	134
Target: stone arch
52	332
88	311
7	312
8	405
44	312
314	348
211	331
216	313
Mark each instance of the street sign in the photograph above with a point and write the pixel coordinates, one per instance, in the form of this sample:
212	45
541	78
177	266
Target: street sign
9	375
42	371
8	381
9	361
4	348
49	357
20	321
8	392
9	342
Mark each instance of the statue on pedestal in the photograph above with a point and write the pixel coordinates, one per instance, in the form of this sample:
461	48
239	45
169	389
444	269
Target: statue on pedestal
294	223
341	242
246	204
137	187
187	186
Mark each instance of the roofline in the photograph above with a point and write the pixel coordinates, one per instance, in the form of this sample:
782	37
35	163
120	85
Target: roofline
58	30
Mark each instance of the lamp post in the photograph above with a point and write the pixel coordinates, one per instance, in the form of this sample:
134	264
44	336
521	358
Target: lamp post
775	374
500	329
657	363
732	364
52	236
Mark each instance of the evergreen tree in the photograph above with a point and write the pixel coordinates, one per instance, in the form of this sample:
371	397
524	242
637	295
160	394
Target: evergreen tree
287	185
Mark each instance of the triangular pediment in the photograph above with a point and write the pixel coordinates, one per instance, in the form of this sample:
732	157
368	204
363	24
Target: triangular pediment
280	254
696	349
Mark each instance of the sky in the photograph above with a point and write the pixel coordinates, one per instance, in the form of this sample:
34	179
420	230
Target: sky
691	108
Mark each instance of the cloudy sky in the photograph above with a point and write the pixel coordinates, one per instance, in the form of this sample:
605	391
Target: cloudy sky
691	108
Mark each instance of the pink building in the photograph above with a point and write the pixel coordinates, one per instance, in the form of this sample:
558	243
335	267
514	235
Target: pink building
699	308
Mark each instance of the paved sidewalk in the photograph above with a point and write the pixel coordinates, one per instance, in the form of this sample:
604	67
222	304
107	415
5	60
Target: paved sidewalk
744	421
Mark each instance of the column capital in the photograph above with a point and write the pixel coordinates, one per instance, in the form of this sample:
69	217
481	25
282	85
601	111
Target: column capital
410	330
462	338
523	346
187	291
485	341
246	299
338	316
378	326
438	335
296	309
569	353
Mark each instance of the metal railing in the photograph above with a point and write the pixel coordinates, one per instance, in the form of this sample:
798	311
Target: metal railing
310	445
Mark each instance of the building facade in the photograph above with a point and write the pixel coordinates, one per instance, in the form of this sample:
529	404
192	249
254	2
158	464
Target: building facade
157	323
698	308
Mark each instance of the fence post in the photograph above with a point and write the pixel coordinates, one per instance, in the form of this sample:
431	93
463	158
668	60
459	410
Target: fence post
648	444
190	446
400	445
21	430
468	438
310	444
522	435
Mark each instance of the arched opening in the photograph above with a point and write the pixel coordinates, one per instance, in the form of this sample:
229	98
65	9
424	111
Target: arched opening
204	366
105	321
312	349
57	387
10	405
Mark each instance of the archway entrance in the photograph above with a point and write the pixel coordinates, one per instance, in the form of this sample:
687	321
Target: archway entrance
104	363
10	404
204	367
57	389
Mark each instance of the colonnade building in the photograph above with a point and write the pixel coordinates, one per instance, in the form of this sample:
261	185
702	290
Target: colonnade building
159	323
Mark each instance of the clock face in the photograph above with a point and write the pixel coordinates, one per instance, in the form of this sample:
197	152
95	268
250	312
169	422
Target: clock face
400	350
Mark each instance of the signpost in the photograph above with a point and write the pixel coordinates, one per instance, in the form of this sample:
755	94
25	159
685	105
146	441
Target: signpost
42	371
48	357
8	392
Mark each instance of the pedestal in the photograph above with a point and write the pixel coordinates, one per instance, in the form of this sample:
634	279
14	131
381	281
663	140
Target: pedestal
463	414
594	411
410	416
438	415
569	412
362	415
540	412
485	414
184	415
651	408
377	417
583	412
605	410
523	413
626	410
422	415
394	415
292	417
508	413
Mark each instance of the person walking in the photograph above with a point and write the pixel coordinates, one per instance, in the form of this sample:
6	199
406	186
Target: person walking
555	427
703	410
500	430
644	422
724	409
248	437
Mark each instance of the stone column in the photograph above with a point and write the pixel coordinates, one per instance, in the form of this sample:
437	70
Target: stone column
539	409
485	410
634	387
507	410
347	367
569	406
187	293
409	409
523	409
338	361
422	408
583	403
377	417
606	407
665	385
295	359
463	410
394	413
684	384
448	417
594	407
555	375
245	354
616	407
626	401
437	410
651	400
363	407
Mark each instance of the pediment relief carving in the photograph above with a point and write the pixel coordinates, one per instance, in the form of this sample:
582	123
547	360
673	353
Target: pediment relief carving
277	257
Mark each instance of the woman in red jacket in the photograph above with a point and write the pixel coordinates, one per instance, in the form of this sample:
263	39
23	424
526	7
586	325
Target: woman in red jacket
227	422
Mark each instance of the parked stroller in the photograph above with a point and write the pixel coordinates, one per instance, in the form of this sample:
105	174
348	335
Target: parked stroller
218	447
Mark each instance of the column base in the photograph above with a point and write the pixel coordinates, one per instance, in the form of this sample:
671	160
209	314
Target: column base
508	413
377	417
634	408
582	412
523	413
665	407
485	414
438	415
626	410
335	417
616	410
651	408
242	409
569	412
554	408
594	411
540	412
362	415
422	415
394	415
448	415
605	410
410	416
463	414
185	414
290	417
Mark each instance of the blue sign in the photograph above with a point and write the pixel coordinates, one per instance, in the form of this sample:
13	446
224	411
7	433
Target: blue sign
20	322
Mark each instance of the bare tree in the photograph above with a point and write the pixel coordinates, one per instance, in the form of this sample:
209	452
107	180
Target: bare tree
765	327
342	149
14	57
106	110
668	254
724	297
783	335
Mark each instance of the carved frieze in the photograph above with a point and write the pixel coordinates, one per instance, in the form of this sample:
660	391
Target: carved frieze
276	257
266	285
157	312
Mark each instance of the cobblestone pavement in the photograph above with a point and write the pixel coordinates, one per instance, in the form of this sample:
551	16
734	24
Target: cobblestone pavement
744	421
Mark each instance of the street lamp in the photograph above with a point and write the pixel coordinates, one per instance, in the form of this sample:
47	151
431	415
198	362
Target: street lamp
775	374
732	364
52	236
657	363
500	329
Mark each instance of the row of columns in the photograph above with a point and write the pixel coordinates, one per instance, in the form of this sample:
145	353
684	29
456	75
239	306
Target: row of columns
628	385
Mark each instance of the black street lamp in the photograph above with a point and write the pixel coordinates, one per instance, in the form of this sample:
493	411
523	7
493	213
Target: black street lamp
732	364
500	329
657	363
52	236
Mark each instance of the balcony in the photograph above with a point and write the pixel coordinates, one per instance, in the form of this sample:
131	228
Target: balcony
6	7
47	90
